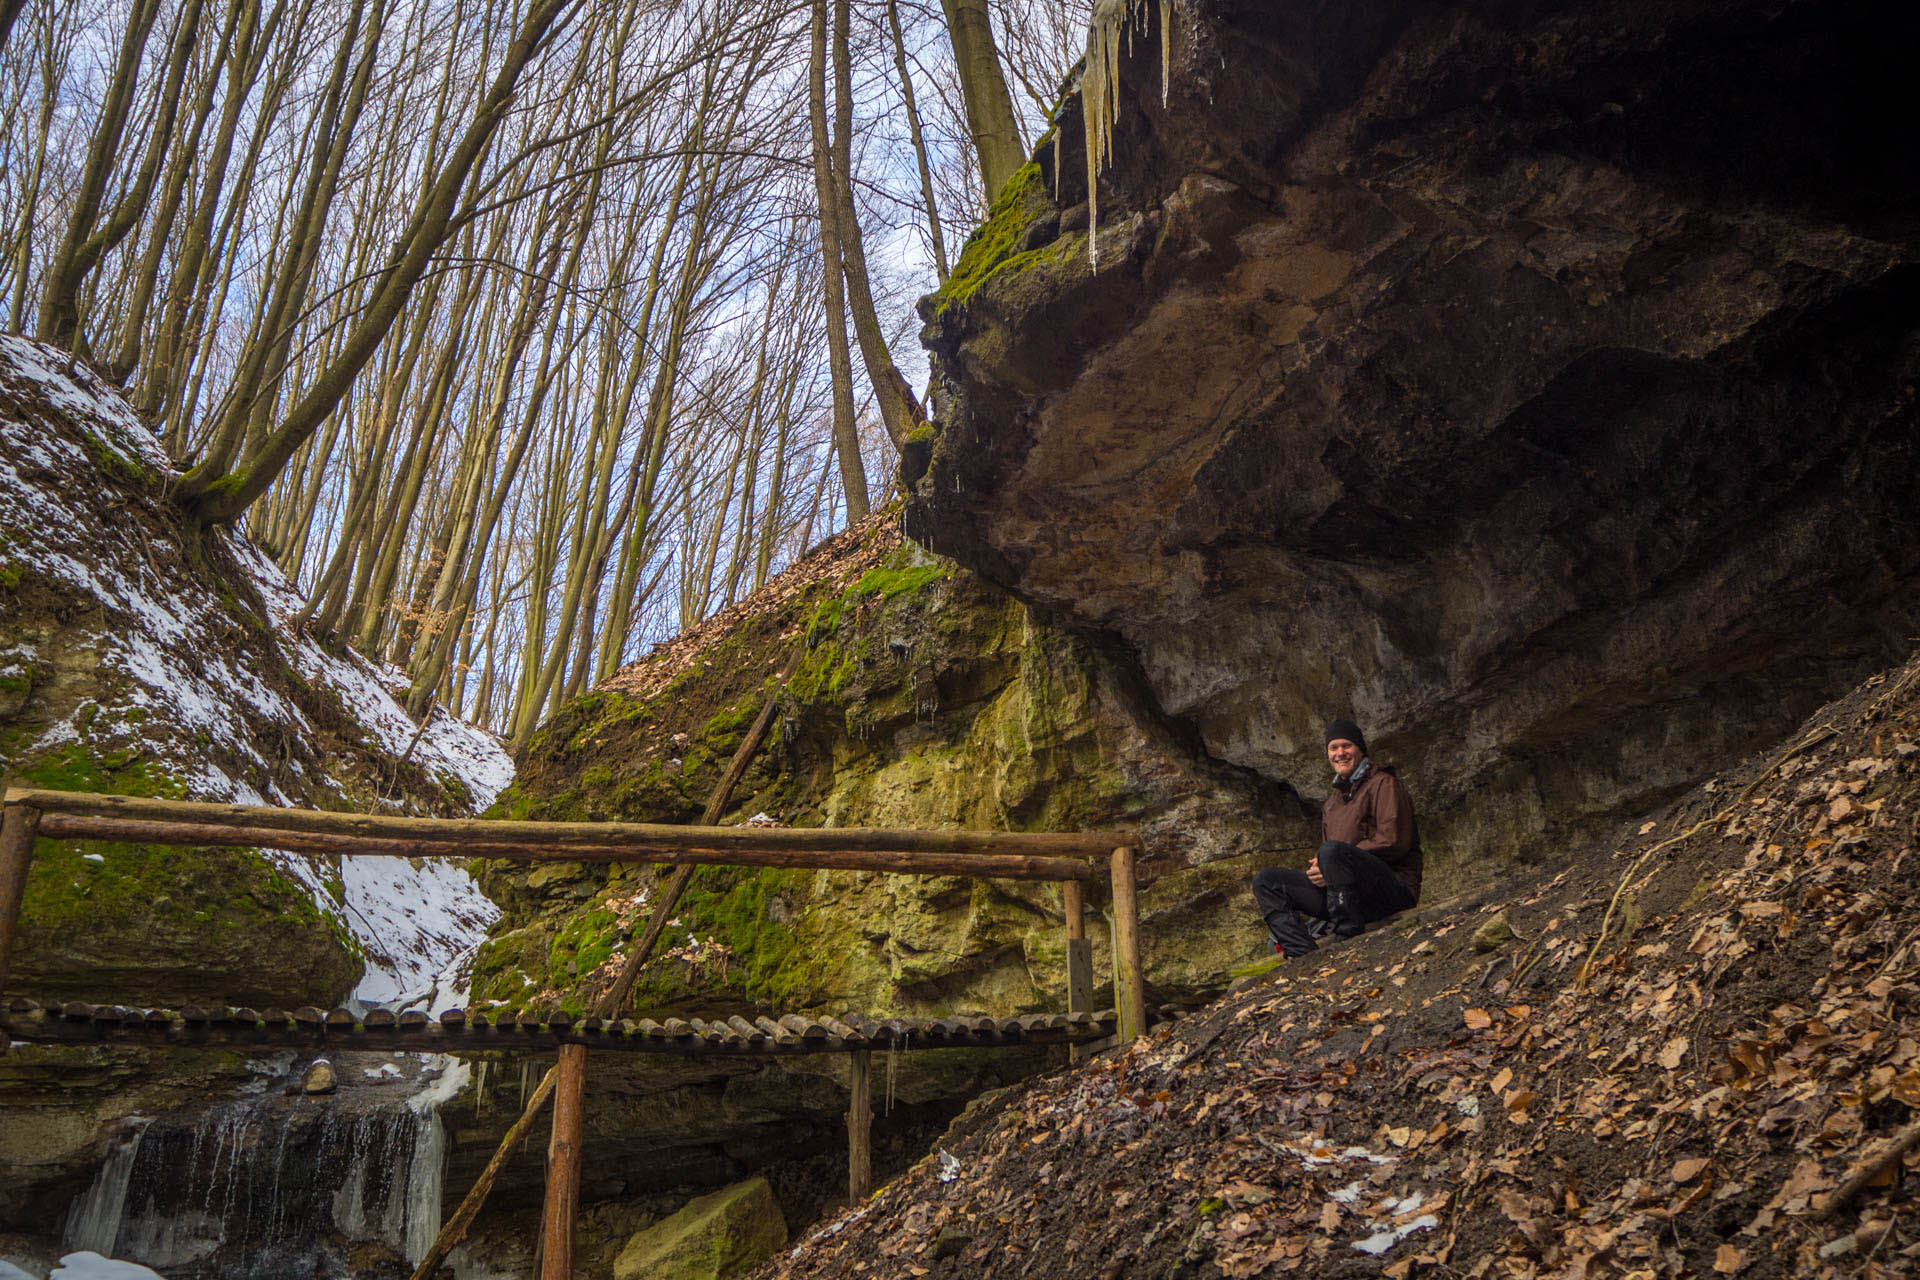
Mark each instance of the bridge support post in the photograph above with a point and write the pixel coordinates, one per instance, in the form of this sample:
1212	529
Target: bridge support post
860	1126
1129	985
17	826
563	1163
1079	957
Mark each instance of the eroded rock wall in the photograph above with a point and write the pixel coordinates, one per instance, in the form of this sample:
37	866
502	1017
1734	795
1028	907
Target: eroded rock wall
1535	384
915	695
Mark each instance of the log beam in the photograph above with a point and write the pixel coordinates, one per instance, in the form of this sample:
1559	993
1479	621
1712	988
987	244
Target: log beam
860	1127
476	1031
142	830
17	829
1129	984
563	1164
1079	957
628	836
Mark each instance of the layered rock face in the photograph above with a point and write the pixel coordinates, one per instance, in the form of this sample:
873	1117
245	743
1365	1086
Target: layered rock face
908	693
914	695
1536	386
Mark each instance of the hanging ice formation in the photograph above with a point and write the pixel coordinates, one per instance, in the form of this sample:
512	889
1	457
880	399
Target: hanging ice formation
1100	90
251	1189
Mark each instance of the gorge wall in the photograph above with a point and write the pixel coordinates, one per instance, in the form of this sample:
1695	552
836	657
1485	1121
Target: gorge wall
141	657
910	693
1536	385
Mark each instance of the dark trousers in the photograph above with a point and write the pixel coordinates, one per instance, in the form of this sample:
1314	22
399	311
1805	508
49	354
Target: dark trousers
1360	888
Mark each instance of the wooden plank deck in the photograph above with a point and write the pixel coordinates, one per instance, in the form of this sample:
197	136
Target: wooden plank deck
476	1030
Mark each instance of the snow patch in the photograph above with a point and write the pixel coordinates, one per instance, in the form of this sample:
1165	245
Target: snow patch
87	1265
208	717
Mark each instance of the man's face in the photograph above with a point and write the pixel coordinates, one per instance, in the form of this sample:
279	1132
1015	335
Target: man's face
1343	756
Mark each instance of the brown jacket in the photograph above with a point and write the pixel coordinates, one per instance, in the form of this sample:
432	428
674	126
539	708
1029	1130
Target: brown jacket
1376	815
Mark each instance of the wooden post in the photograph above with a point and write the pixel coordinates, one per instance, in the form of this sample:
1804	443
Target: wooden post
17	826
860	1127
1079	957
1129	986
563	1164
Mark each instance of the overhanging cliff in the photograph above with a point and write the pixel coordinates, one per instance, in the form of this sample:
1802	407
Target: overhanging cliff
1536	385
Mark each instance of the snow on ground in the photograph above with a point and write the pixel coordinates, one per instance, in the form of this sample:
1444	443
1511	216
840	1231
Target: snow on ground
177	688
419	925
91	1266
447	745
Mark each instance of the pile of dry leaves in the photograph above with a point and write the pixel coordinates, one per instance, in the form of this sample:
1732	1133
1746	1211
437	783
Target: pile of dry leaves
1697	1055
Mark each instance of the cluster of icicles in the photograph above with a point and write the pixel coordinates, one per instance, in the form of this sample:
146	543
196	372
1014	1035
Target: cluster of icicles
1113	20
249	1190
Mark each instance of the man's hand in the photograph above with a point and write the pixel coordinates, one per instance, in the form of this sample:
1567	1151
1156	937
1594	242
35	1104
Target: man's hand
1313	872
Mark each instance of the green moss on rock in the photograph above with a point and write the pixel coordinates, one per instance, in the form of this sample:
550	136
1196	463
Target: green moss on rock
995	245
159	924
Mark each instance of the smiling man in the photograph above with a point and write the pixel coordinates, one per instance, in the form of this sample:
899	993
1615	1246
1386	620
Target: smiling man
1369	866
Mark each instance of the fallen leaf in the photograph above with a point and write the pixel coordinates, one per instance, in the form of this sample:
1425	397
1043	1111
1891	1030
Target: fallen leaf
1687	1170
1674	1050
1329	1216
1499	1083
1728	1260
1478	1019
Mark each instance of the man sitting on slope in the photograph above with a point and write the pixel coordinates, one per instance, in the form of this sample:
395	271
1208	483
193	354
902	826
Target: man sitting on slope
1369	866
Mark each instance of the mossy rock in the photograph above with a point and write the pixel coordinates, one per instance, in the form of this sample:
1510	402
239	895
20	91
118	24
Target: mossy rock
715	1237
1020	221
148	924
918	696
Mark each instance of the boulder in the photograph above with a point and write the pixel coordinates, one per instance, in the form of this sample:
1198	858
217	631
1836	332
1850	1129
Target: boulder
714	1237
319	1078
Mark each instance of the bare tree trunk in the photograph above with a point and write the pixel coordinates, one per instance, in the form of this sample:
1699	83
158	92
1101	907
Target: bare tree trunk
898	408
59	309
919	142
990	119
846	443
216	496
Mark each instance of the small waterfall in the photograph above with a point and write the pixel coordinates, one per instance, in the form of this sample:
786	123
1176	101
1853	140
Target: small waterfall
94	1220
261	1188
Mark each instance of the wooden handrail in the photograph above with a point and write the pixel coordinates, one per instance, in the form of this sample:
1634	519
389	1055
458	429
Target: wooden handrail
28	814
629	835
162	831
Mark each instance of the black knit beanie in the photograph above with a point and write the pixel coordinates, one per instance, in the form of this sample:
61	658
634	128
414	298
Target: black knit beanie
1350	731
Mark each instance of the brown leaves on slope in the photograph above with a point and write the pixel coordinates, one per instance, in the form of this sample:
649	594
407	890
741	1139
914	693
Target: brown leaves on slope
1743	1041
840	560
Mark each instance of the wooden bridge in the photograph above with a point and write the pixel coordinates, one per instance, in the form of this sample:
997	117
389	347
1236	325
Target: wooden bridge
481	1030
1066	858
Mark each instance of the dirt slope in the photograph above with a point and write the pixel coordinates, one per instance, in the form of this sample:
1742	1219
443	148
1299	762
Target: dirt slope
1428	1099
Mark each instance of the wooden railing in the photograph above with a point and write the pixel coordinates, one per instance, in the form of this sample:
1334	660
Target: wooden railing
1062	857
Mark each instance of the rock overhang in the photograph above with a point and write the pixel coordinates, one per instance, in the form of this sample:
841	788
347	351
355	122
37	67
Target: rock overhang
1438	371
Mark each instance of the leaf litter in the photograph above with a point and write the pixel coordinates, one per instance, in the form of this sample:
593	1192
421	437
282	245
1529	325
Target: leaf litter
1697	1056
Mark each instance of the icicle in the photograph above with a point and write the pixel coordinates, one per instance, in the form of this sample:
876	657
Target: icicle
426	1180
1100	91
1166	51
